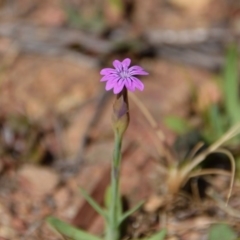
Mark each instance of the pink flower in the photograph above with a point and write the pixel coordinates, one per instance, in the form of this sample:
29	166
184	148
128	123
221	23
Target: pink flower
122	76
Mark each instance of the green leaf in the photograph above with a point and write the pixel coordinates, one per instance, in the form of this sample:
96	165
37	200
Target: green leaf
94	204
231	85
158	236
69	231
216	121
177	124
130	211
221	231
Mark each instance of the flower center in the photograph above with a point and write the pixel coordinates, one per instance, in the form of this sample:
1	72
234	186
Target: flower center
124	74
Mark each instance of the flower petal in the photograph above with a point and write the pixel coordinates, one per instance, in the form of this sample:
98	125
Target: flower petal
122	75
126	63
105	78
118	87
137	83
106	71
110	85
110	77
136	70
142	72
118	65
129	85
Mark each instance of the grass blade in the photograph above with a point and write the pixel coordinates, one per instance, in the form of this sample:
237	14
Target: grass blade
216	121
231	86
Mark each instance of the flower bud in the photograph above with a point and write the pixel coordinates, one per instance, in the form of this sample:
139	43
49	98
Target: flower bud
120	116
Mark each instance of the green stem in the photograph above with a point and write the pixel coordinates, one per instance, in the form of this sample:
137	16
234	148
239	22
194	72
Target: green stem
113	228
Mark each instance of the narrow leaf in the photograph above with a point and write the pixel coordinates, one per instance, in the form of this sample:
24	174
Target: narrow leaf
130	211
94	204
69	231
158	236
221	231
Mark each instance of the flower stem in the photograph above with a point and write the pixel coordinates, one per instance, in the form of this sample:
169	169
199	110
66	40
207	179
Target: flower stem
113	227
